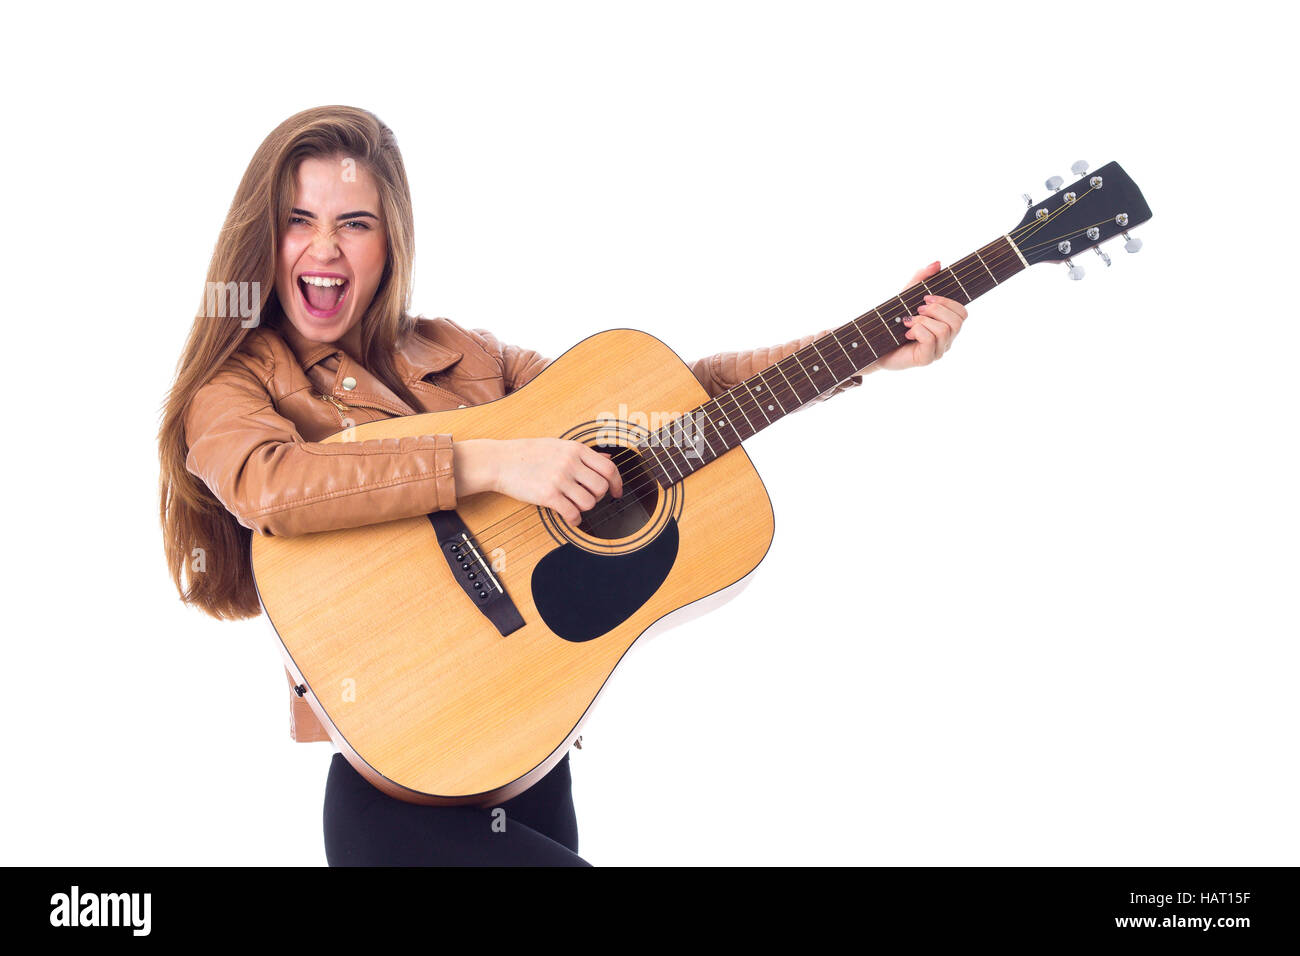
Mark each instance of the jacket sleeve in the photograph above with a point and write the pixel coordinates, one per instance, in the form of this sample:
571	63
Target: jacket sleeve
259	467
721	371
519	365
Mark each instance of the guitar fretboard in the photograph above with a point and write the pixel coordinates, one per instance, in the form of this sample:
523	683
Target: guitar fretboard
712	429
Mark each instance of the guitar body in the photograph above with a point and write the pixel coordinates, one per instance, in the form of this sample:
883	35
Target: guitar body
419	689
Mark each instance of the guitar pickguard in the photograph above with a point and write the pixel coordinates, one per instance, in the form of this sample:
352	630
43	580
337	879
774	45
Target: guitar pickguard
581	595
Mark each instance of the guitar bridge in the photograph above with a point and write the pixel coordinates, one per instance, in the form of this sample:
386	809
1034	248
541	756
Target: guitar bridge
473	572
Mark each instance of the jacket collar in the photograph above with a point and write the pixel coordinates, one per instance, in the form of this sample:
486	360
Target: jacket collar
419	355
416	356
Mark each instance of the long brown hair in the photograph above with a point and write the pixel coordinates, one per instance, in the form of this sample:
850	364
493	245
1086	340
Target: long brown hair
207	548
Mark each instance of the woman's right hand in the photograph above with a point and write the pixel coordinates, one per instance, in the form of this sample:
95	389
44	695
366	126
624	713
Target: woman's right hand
557	473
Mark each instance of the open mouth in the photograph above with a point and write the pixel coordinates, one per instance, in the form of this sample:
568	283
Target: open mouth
323	296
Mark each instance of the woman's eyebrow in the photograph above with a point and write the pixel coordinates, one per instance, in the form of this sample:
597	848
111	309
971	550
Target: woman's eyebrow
359	214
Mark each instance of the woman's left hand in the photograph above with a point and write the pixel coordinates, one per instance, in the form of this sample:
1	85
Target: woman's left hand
931	331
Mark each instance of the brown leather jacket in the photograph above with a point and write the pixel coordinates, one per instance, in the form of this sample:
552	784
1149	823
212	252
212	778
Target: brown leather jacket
254	430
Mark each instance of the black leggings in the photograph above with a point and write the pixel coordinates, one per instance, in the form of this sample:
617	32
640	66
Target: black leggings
366	827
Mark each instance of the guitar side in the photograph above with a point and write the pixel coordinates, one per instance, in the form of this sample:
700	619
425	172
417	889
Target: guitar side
421	693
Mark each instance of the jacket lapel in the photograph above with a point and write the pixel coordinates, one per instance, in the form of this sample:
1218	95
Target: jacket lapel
416	357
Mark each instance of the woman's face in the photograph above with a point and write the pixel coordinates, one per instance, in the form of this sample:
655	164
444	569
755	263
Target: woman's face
333	232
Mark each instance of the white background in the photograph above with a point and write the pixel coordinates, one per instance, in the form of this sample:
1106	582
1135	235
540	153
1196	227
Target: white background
1032	604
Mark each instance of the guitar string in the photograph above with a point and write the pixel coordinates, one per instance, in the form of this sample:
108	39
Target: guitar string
489	537
782	392
751	404
632	495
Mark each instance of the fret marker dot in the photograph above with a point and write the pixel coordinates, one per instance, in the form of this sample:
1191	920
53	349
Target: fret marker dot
897	319
758	388
770	407
723	422
853	345
817	368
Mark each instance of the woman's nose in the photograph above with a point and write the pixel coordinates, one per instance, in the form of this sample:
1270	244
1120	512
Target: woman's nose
324	247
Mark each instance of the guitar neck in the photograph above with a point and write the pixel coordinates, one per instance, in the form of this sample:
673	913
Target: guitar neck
720	424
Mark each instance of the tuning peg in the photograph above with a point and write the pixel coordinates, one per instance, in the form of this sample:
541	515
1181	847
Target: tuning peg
1080	167
1104	258
1055	184
1076	272
1029	200
1133	245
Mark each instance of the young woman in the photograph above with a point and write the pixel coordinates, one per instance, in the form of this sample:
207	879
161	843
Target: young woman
304	331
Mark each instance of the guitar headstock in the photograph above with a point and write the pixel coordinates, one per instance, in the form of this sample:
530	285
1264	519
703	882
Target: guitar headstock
1098	206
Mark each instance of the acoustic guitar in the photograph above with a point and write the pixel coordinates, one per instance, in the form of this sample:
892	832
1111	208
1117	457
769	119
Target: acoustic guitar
454	657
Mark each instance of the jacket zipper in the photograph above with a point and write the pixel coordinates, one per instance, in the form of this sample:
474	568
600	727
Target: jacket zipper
338	407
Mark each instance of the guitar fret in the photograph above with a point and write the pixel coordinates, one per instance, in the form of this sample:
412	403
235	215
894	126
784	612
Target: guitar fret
794	357
704	432
986	267
752	429
806	374
759	402
670	461
653	454
831	364
960	286
865	338
729	420
835	336
771	391
778	367
887	328
717	430
1017	251
834	374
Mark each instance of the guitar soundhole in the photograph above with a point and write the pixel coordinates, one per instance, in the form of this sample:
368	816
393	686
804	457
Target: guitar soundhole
619	517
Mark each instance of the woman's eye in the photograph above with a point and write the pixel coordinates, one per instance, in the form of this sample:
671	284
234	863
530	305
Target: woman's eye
296	220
